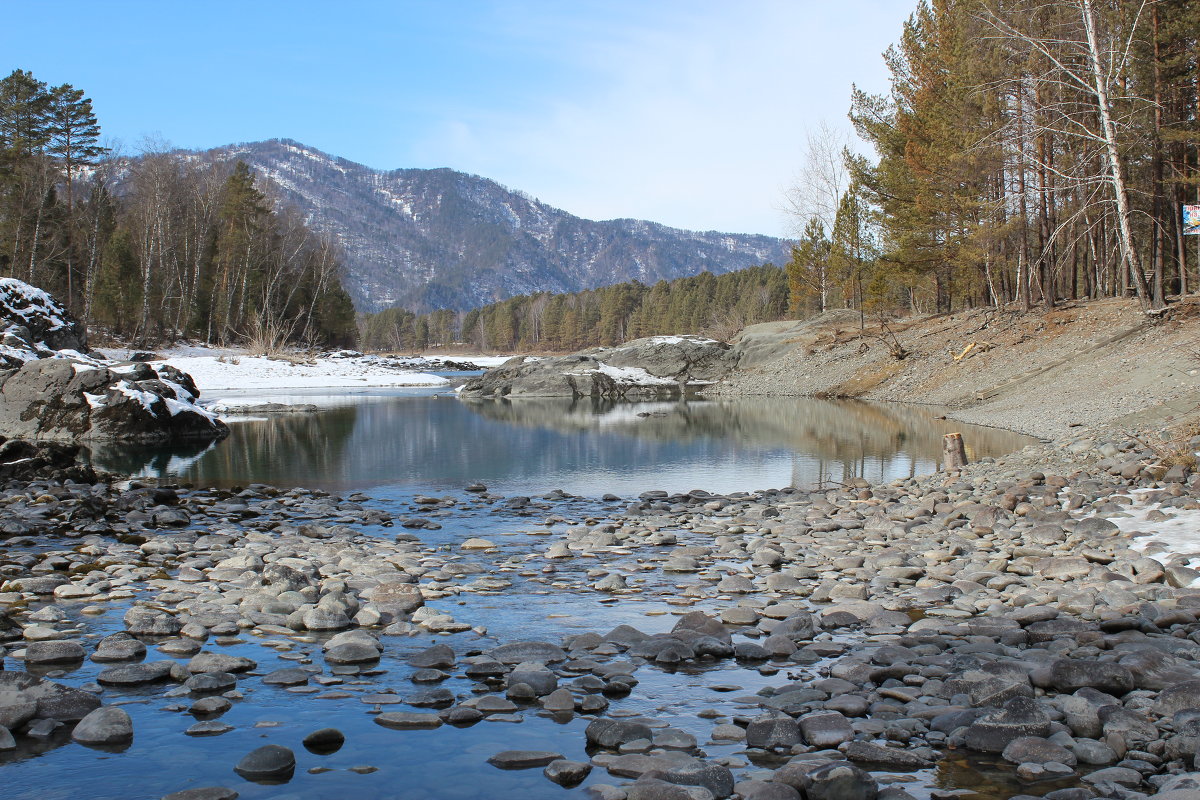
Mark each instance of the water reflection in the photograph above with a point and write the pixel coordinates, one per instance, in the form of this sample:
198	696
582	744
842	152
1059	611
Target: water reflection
586	446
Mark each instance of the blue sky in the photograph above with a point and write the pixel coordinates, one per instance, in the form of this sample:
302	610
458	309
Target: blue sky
688	113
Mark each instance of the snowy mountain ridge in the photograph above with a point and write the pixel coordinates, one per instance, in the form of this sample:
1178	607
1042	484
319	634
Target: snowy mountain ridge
437	238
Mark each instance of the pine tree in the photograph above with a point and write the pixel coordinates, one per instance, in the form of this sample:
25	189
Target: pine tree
807	270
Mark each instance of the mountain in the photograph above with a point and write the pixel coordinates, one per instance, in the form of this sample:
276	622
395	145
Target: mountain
436	238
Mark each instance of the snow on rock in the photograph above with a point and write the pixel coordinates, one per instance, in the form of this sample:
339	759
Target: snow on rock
661	366
1170	537
34	325
51	388
52	398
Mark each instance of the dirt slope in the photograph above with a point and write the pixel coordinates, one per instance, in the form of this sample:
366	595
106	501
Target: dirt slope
1092	364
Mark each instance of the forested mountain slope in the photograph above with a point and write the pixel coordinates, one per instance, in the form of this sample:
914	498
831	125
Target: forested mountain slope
436	238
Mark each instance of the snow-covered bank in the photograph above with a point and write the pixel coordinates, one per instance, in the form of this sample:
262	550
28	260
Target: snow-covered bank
222	373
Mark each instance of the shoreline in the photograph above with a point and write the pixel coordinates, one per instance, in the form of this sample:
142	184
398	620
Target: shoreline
824	586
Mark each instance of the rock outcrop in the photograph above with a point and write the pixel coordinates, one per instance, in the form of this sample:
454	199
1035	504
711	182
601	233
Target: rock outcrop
34	325
659	367
50	388
65	400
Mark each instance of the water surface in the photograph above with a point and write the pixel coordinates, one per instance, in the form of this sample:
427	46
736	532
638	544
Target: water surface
430	441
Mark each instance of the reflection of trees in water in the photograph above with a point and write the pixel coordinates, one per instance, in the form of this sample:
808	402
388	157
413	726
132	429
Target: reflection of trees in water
833	439
536	442
287	449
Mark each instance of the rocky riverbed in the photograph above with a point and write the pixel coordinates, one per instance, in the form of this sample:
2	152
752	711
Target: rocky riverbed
1011	630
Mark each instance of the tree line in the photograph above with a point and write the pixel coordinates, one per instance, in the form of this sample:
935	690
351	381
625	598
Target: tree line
1028	151
714	305
158	247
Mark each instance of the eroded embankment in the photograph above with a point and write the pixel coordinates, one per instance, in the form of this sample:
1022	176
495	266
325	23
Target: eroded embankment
1095	364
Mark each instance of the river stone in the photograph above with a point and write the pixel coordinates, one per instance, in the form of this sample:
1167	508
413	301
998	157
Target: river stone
1036	750
211	727
476	543
1178	697
324	741
352	653
270	762
1095	525
536	676
1052	629
211	682
702	623
560	700
119	647
289	676
825	729
518	652
210	705
1071	674
54	652
612	733
768	732
890	757
695	772
1156	670
324	619
523	759
203	793
649	788
1019	717
396	599
567	773
142	621
407	720
104	726
440	656
838	781
219	662
136	674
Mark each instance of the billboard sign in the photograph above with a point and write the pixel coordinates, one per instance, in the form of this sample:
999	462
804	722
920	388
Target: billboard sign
1191	220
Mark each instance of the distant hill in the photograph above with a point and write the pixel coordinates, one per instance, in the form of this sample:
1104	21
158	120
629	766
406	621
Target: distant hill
436	238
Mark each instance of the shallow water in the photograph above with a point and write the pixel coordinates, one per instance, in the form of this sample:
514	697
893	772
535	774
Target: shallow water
394	445
423	440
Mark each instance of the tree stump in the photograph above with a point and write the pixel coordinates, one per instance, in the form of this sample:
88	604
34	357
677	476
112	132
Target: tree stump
954	452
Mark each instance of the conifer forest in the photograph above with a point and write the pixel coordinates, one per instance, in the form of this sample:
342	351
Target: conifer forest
158	247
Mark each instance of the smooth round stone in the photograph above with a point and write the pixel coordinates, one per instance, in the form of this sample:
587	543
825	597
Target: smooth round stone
272	763
109	725
112	648
567	773
428	676
211	705
179	647
324	741
352	653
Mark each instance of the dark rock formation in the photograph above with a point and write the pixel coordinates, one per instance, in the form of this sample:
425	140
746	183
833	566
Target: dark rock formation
655	367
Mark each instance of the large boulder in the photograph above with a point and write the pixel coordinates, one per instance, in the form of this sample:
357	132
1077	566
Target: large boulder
654	367
67	399
24	696
50	388
35	325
